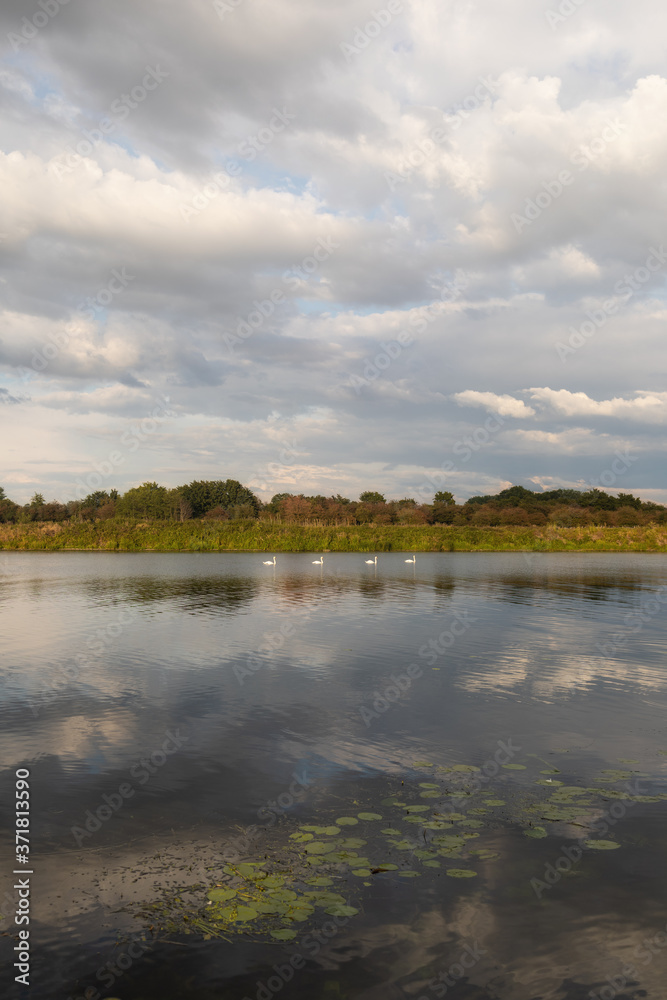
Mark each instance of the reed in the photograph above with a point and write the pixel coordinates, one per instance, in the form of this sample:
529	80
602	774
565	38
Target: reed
259	536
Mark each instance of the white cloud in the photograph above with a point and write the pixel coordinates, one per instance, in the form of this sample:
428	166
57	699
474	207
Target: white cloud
506	406
649	407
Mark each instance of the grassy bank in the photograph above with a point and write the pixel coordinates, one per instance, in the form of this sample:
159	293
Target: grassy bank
260	536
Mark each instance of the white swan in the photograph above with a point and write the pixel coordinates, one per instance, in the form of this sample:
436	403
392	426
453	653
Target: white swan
413	560
372	562
267	562
318	562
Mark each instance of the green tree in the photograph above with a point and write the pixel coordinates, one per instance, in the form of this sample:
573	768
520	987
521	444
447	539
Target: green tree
204	495
370	496
37	500
147	500
444	497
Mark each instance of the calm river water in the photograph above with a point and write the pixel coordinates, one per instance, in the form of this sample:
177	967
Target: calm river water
477	742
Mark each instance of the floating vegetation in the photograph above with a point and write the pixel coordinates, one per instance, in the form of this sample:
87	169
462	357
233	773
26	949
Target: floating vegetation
314	871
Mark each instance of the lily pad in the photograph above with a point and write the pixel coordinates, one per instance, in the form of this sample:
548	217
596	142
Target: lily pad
514	767
602	845
320	880
283	934
301	838
390	831
319	847
537	832
218	895
460	873
428	784
495	802
361	872
347	821
341	910
430	795
369	816
244	913
432	864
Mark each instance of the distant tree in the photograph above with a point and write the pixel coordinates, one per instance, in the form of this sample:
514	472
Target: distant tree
598	499
148	500
9	511
444	497
37	500
627	500
370	496
204	495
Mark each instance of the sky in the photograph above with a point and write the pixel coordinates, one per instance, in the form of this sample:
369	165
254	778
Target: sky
324	248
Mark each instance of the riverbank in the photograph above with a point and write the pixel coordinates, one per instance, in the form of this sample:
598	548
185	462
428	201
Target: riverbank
262	536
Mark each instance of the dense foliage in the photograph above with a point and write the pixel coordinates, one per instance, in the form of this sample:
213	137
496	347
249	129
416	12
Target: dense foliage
229	500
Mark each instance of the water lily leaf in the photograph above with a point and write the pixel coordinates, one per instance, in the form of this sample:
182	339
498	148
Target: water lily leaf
428	784
301	838
320	880
390	831
341	910
273	882
553	770
430	795
347	821
602	845
386	866
283	934
412	819
330	831
473	823
514	767
282	895
537	832
460	873
548	782
423	853
244	913
361	872
418	809
369	816
495	802
432	864
299	913
267	907
409	874
438	824
465	768
351	843
318	847
217	895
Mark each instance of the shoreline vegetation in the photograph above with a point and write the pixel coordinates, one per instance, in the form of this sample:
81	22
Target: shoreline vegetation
225	516
261	536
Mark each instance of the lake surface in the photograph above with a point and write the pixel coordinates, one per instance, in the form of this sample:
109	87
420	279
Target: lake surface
478	721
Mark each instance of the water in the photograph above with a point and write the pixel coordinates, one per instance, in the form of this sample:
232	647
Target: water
234	702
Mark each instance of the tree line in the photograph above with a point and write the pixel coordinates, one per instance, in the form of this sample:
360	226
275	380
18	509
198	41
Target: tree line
225	500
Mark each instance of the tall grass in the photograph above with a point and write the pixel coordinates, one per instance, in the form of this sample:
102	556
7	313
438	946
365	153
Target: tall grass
259	536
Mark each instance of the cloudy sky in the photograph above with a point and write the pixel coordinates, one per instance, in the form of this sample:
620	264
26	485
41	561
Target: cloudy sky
327	247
